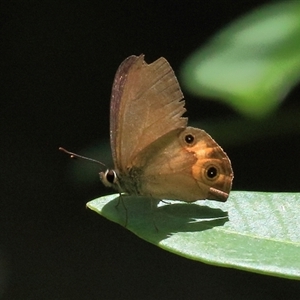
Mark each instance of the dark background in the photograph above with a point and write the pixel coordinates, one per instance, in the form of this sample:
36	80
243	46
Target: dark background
58	60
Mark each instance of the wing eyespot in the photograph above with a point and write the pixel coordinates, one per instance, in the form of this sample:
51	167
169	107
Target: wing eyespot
211	172
189	139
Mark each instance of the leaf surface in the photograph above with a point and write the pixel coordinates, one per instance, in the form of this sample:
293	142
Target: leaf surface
254	231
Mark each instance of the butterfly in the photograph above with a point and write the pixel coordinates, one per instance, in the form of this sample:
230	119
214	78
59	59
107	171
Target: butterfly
154	152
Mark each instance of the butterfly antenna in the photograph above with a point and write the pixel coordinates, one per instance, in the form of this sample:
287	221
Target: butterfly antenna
73	155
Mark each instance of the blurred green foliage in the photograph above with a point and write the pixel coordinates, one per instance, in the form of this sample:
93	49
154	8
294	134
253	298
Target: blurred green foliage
252	64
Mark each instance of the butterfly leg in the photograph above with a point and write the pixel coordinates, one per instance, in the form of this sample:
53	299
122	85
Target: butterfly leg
121	200
154	203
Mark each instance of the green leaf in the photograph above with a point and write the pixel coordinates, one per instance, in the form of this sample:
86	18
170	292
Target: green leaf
253	231
251	64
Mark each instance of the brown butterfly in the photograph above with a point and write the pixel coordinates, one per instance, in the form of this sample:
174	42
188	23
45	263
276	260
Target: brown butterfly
154	152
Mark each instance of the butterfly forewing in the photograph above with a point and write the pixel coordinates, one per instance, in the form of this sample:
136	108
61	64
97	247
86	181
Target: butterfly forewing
116	97
146	104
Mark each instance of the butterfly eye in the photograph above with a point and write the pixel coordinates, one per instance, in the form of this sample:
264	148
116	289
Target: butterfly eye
189	139
111	176
108	178
211	172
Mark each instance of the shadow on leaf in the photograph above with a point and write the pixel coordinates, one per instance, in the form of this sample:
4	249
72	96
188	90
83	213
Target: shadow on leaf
157	223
